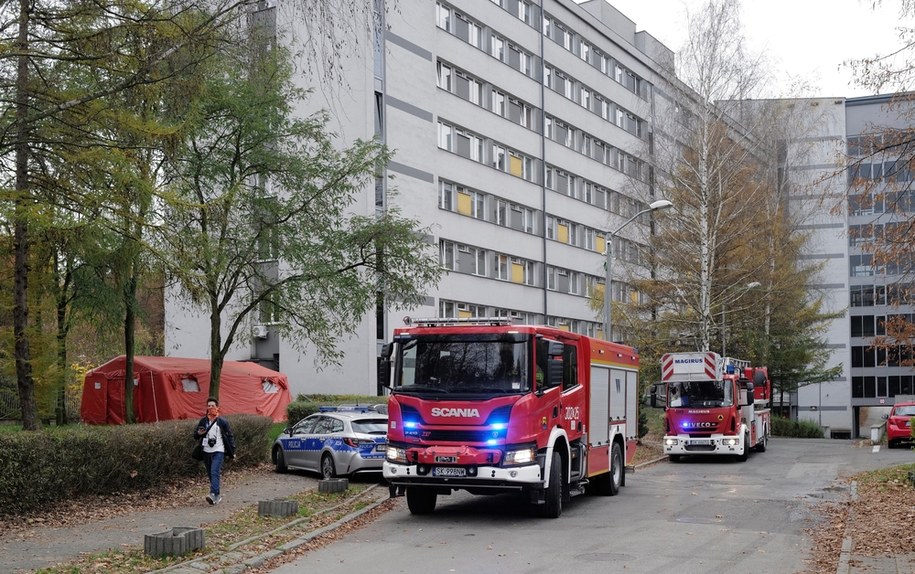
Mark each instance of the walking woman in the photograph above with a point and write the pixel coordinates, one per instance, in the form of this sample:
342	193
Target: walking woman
218	443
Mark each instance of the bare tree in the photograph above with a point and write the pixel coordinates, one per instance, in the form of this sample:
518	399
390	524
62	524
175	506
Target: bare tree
880	167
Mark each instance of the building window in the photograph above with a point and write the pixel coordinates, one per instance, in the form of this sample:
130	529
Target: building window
502	212
529	274
497	102
446	255
528	218
497	48
498	157
525	12
443	17
445	134
446	195
501	267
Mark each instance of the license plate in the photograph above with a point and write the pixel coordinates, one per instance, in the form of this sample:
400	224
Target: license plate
701	442
381	447
908	423
449	471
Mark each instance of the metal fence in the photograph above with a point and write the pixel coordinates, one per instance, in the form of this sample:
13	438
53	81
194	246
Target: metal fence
9	403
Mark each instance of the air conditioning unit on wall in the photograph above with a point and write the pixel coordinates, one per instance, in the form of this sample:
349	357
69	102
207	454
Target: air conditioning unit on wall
259	331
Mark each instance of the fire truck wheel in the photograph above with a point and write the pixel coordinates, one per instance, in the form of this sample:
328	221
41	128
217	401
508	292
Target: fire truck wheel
742	457
616	469
420	500
761	447
552	507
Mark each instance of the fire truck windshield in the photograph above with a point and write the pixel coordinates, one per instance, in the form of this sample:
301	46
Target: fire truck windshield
700	394
489	364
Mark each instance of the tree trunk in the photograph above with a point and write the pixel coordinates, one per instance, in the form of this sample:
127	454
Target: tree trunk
130	327
217	356
24	379
63	328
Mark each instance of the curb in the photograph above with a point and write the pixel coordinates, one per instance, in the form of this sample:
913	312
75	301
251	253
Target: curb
244	562
647	463
844	565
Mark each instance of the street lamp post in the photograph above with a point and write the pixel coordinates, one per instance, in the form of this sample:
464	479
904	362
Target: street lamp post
724	334
654	205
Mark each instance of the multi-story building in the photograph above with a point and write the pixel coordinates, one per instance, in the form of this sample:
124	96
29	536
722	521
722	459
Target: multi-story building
881	198
845	193
523	133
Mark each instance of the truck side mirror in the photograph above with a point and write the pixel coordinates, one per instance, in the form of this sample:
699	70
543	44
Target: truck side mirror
554	372
653	397
554	365
750	393
384	367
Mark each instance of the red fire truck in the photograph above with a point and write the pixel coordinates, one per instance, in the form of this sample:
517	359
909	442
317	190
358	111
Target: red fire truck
488	407
715	405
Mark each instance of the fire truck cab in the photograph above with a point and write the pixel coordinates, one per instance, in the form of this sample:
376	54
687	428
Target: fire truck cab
487	406
715	406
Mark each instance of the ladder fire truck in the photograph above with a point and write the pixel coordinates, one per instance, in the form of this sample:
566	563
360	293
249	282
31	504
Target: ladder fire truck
715	405
488	406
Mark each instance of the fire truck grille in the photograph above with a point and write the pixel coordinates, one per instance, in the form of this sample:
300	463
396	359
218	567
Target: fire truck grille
463	436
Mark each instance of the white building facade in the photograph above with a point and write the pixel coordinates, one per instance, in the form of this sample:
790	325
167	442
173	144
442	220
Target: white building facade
522	134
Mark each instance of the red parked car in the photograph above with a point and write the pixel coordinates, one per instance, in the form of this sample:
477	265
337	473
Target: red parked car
899	424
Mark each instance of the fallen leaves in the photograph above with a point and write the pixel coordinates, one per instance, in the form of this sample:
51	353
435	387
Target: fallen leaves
879	519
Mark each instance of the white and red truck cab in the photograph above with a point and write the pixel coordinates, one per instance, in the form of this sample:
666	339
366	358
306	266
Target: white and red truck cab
487	406
715	405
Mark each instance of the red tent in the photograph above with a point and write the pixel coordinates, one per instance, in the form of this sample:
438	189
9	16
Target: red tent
167	388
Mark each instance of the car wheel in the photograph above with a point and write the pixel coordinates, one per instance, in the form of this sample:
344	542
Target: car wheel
673	457
890	444
279	461
421	500
552	508
328	468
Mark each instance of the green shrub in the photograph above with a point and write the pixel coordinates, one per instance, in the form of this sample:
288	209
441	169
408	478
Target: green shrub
42	467
305	405
796	429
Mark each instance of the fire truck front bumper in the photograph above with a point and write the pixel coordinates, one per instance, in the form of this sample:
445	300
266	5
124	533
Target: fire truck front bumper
470	477
715	444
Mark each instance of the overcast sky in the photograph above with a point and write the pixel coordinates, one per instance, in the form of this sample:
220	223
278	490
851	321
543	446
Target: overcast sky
808	39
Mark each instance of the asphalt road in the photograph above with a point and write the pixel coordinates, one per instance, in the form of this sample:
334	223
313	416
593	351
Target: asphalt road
700	515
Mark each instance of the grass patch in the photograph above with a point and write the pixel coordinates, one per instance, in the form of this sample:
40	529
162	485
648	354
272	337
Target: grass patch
275	430
655	419
886	477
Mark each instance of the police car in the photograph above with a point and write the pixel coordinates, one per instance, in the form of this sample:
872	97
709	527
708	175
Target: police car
335	441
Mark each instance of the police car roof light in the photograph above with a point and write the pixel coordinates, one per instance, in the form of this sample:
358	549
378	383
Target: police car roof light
346	408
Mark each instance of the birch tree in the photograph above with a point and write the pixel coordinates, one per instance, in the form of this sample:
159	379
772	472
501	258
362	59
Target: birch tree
705	247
